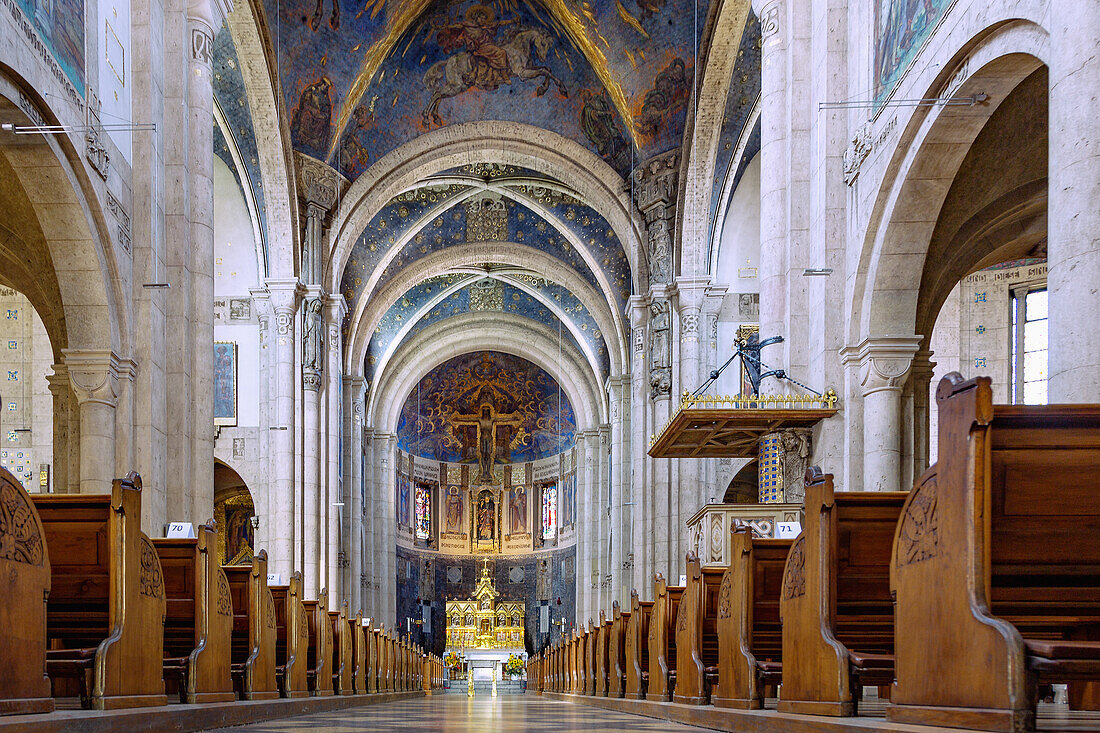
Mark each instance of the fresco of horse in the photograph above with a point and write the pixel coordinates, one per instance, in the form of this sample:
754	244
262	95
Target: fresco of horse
485	66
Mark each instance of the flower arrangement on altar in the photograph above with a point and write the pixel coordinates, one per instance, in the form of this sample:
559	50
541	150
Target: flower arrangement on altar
514	664
452	660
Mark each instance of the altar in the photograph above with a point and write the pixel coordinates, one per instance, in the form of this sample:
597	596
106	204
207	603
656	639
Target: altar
484	631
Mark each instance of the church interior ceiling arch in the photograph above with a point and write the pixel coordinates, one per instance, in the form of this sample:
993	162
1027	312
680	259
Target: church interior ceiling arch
521	408
237	144
615	77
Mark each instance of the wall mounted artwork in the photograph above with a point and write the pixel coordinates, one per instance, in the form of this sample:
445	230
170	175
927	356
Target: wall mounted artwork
487	409
901	28
225	383
60	24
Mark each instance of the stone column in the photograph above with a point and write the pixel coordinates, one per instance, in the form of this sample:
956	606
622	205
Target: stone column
581	522
774	122
283	558
314	573
641	539
592	540
66	442
263	501
370	524
338	530
664	520
621	560
94	379
884	365
920	377
204	19
605	533
353	489
1073	232
387	514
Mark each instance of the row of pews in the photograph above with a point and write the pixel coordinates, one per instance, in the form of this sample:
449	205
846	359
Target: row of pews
94	607
961	600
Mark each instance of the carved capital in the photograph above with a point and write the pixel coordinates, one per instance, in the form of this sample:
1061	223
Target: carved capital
319	184
655	182
93	375
884	362
284	296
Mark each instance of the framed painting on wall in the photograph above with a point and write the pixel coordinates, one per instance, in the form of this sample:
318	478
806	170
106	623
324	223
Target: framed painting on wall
225	383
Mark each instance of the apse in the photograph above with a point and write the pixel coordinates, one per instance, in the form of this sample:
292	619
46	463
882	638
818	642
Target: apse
447	415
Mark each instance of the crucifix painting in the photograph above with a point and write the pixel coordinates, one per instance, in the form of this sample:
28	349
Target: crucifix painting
487	421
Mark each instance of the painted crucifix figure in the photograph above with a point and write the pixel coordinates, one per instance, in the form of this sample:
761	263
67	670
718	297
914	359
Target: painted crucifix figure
487	420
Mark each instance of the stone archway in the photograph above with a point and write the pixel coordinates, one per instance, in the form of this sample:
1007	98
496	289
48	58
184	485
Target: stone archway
59	254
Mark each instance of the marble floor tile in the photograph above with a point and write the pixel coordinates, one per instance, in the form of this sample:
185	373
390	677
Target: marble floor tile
458	714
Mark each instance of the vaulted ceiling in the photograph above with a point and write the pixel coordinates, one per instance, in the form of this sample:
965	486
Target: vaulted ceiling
361	80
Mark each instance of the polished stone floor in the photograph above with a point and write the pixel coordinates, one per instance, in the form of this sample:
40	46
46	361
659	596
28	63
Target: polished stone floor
458	714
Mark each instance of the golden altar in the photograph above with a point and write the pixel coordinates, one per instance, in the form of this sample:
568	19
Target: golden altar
482	622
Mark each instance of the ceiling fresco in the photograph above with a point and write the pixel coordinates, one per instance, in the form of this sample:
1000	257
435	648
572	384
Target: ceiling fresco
422	307
422	220
744	92
523	412
232	100
360	81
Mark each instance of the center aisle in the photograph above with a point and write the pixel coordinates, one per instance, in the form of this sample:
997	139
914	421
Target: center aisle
459	714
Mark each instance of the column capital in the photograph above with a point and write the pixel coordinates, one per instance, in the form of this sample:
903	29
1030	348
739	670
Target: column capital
59	383
210	13
335	307
769	12
94	374
923	367
884	361
284	294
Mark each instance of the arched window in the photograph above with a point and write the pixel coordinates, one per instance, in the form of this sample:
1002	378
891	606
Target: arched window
549	510
423	512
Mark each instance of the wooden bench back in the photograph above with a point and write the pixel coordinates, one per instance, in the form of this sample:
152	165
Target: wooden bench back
90	534
590	659
292	636
603	631
998	527
254	628
696	634
320	644
359	653
637	647
748	618
616	651
836	595
343	665
662	640
199	613
25	586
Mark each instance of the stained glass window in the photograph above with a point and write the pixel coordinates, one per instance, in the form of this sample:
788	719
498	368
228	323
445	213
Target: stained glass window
549	510
423	512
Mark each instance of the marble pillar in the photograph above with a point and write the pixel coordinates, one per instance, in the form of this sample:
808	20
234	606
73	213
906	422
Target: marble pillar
336	510
583	520
314	572
387	459
94	379
355	511
920	377
282	556
622	555
370	524
66	433
204	19
774	122
639	404
1073	230
884	365
264	501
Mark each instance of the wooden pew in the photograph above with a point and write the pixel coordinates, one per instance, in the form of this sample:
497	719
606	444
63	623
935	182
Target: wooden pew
359	653
838	616
750	637
25	585
385	662
319	666
105	614
253	645
343	665
696	635
374	660
589	659
291	638
616	659
637	648
198	621
996	567
662	643
575	656
579	679
602	632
